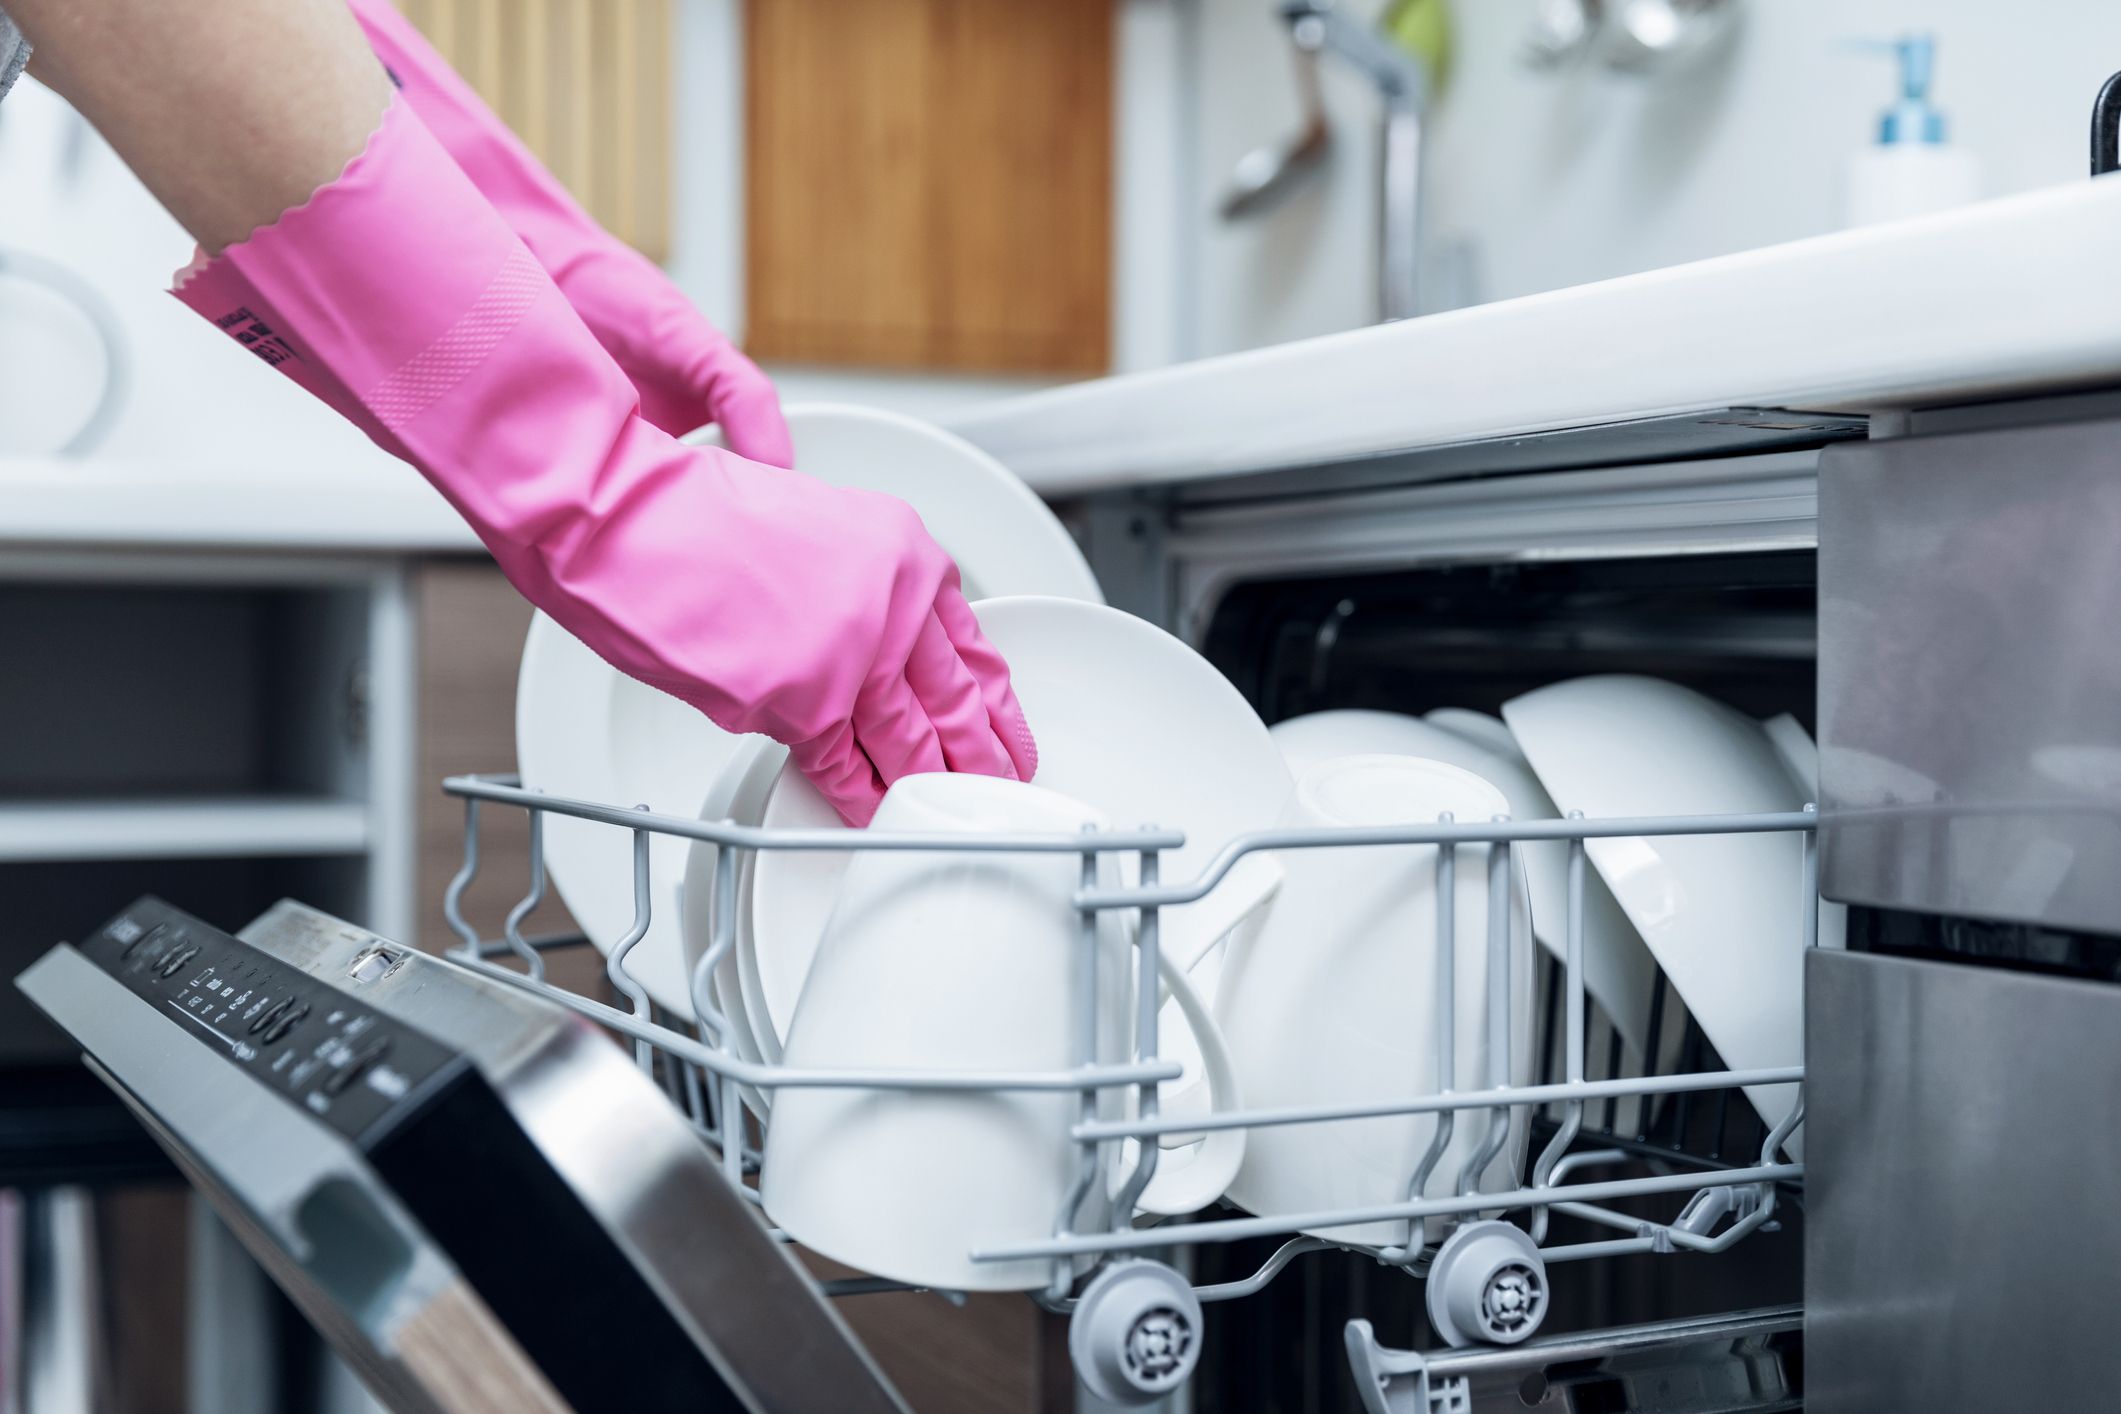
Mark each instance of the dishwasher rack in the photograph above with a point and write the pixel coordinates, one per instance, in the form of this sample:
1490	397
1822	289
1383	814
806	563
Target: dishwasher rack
1135	1325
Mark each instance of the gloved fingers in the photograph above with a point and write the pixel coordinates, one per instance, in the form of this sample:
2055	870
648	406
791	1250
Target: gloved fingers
892	729
1004	713
835	764
742	400
950	696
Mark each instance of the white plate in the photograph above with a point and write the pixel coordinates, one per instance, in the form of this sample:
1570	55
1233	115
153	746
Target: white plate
1478	728
1335	1000
1618	970
584	729
1720	912
1129	721
55	368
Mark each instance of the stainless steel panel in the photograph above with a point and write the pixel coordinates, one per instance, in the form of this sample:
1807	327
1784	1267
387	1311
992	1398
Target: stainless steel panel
626	1154
1970	674
1963	1242
258	1159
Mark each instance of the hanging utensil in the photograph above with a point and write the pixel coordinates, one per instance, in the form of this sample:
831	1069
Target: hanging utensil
1263	176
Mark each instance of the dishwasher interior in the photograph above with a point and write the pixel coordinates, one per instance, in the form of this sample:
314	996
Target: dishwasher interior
1736	626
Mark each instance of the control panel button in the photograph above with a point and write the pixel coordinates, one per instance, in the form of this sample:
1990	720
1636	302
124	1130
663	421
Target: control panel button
285	1024
177	959
272	1015
375	961
154	934
355	1068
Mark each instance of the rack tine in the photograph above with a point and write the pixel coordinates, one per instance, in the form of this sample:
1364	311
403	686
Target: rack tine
1446	1036
722	940
528	904
1572	1000
453	896
732	1102
1088	1151
1783	1130
1148	996
1500	859
615	965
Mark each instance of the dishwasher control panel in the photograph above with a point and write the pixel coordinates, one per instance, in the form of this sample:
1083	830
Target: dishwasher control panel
347	1064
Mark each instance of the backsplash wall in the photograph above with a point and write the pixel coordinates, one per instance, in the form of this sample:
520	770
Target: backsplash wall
1541	180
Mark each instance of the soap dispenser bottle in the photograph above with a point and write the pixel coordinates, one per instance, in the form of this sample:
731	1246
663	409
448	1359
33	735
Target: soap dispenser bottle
1911	169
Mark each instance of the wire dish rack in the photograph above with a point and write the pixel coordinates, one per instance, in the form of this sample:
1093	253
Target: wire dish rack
1135	1322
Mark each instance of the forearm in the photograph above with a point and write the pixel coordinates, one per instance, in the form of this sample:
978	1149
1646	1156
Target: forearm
230	111
631	307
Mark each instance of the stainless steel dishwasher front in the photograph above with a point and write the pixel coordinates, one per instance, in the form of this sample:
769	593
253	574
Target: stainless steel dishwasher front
1962	1236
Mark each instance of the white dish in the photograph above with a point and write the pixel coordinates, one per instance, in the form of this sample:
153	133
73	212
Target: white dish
1720	912
1335	1000
965	961
739	796
584	729
1129	720
1478	728
1617	969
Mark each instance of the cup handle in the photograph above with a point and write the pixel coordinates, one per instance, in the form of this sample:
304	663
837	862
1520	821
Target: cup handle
1192	929
1189	1180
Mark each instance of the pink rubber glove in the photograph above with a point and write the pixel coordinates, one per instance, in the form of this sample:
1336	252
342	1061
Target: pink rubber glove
826	618
687	372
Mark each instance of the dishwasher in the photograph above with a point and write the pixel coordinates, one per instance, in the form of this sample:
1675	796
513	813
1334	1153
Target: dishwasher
483	1205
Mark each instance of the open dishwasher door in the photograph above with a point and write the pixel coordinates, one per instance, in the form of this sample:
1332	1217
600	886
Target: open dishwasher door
477	1199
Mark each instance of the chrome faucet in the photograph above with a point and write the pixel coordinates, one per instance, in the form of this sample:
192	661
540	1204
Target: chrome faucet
1319	26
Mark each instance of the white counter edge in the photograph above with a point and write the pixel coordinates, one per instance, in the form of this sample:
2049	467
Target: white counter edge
2014	295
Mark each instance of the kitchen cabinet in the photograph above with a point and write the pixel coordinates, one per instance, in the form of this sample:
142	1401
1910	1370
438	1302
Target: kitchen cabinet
928	183
586	85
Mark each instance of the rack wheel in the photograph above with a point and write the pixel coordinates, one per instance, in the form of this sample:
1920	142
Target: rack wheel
1135	1335
1488	1283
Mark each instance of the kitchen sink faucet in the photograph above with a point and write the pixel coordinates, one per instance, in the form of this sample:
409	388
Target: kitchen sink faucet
1320	26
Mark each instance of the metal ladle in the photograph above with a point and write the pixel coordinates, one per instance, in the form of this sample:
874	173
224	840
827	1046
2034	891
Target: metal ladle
1265	175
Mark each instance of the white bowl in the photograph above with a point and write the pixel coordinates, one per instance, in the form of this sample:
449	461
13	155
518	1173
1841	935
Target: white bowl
1722	913
1618	970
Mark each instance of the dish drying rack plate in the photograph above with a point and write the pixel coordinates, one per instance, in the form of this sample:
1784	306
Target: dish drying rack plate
1135	1330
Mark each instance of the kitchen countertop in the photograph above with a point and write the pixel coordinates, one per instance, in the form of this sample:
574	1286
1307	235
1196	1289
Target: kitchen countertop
375	505
2011	296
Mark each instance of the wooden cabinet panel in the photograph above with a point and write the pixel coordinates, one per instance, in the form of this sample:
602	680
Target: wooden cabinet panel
928	183
998	1353
586	84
